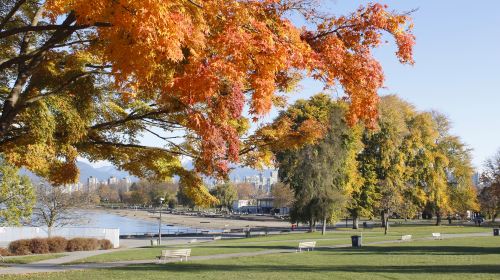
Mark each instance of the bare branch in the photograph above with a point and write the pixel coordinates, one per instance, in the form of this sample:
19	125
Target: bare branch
137	146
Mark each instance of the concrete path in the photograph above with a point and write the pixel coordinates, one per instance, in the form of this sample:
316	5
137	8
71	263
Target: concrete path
55	265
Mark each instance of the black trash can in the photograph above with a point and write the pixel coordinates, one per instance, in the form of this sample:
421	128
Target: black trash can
496	231
356	241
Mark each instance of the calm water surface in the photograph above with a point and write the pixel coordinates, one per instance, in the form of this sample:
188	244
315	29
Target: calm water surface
131	226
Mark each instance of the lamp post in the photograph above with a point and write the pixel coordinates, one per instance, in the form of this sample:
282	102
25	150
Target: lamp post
159	223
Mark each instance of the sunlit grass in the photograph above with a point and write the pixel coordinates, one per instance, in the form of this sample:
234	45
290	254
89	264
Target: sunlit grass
458	258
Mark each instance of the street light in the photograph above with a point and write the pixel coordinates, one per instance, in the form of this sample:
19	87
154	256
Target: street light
159	224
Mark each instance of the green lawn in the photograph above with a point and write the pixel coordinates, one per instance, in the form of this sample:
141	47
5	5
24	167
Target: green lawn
282	241
32	258
459	258
236	246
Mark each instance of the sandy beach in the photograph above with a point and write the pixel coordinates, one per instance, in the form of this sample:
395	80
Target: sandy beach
197	221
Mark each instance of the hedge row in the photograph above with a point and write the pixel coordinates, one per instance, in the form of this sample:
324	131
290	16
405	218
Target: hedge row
54	245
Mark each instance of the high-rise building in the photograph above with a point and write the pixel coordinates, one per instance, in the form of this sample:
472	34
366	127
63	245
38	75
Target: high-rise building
92	183
112	180
262	182
476	179
125	184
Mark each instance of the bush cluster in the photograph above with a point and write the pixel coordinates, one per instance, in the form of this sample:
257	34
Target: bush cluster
54	245
5	252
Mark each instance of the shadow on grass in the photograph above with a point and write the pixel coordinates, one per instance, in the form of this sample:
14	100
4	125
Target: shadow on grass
419	250
201	268
385	250
272	247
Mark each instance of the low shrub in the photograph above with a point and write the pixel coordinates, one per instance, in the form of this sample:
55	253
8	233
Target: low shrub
39	246
82	244
57	244
5	252
105	244
54	245
20	247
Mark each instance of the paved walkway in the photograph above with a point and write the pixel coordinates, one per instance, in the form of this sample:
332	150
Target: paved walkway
55	265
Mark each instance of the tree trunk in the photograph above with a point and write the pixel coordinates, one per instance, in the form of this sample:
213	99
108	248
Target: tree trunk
323	229
386	224
449	219
494	217
355	221
311	225
382	217
438	218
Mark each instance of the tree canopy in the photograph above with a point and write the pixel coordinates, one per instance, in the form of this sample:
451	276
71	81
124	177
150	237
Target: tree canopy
321	174
89	79
409	163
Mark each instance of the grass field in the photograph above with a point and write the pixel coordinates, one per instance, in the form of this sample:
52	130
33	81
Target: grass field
282	241
31	259
459	258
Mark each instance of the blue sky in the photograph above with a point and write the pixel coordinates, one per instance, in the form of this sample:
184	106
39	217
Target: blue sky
456	71
457	66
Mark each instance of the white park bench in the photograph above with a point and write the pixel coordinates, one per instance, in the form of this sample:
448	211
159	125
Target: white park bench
193	241
436	235
180	253
406	237
307	245
217	237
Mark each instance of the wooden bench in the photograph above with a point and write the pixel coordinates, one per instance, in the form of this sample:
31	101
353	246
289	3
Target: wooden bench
217	237
307	245
406	237
180	253
436	235
193	241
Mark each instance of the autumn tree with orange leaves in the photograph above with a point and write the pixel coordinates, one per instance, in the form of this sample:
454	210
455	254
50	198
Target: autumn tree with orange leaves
88	79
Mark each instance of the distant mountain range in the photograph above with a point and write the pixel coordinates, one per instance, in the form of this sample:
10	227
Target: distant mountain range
104	172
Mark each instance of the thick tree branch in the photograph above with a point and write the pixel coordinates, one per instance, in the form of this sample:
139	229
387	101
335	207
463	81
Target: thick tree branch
49	27
11	13
11	106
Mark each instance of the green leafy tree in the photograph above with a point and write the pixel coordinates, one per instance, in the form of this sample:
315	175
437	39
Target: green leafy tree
321	174
17	195
183	199
382	161
225	193
459	170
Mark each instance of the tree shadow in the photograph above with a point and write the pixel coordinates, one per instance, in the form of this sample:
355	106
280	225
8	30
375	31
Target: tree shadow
264	247
409	269
420	250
